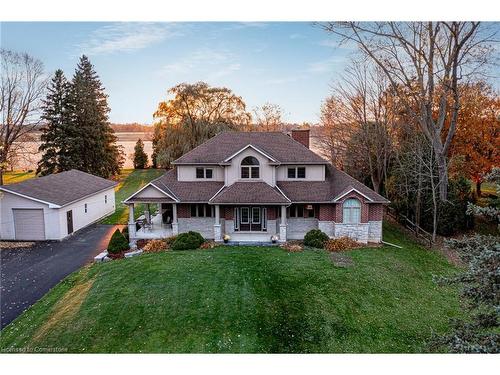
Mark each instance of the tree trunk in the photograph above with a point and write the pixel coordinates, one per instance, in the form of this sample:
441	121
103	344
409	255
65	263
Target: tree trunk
1	177
443	177
478	188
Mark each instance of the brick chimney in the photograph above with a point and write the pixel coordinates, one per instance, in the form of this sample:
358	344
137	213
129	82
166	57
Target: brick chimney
302	136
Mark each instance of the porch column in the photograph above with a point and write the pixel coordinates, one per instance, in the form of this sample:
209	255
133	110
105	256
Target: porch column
217	225
283	225
175	224
131	225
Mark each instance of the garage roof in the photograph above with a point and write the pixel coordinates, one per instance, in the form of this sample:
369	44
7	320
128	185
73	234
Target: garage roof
60	189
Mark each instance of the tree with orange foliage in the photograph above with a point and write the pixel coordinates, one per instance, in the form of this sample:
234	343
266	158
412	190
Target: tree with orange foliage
477	138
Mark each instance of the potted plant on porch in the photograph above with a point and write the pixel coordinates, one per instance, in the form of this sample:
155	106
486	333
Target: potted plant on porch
226	238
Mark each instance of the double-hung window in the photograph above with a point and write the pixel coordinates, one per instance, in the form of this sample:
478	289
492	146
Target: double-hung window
204	172
351	212
296	172
250	168
202	210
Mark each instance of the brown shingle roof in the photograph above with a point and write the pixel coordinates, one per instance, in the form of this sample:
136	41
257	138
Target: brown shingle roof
276	144
187	191
61	188
250	192
336	182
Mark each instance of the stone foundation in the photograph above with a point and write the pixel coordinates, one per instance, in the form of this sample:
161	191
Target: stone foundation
358	232
203	225
375	231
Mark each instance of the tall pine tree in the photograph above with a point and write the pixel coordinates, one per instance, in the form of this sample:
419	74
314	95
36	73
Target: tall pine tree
140	157
93	146
55	135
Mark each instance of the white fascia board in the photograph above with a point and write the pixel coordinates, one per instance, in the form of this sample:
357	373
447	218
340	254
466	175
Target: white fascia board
50	204
336	199
255	148
156	187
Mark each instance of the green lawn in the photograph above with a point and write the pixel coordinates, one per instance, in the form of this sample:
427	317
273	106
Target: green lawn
246	299
17	176
131	180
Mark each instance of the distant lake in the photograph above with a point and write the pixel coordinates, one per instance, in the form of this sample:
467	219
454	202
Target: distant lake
31	156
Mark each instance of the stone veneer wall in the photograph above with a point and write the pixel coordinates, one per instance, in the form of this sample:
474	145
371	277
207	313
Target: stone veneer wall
375	231
358	232
203	225
298	227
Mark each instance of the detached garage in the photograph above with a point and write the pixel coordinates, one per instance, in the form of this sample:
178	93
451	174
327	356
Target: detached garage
54	206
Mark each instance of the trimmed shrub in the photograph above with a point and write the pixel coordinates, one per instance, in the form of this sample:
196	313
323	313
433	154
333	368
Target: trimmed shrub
188	241
315	238
341	244
118	243
125	233
155	246
170	240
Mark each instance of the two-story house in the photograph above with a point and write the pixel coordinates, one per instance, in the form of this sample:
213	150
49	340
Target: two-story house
255	185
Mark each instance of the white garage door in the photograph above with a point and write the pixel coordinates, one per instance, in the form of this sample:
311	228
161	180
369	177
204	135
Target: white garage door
29	224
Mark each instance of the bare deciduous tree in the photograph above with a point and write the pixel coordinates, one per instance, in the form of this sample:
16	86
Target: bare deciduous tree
268	117
357	120
21	91
424	62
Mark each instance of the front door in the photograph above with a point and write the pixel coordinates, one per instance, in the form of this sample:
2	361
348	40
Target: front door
251	219
69	221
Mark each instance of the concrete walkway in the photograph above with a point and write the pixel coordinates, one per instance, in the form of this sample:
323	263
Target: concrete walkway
28	274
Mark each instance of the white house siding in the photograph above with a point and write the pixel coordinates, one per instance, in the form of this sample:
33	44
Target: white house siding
55	218
267	172
359	232
10	201
150	192
298	227
96	209
313	173
375	231
188	173
203	225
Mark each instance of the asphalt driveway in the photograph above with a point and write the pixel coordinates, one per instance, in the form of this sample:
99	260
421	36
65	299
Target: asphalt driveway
28	274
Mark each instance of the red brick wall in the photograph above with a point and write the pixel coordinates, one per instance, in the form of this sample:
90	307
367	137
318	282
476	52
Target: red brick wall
327	212
183	211
227	212
302	136
376	212
272	213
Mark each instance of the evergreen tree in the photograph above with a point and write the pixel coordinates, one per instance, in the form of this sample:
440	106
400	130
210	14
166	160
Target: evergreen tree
93	143
56	115
140	157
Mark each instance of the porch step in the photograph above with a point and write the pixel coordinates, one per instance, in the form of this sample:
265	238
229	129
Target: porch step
251	243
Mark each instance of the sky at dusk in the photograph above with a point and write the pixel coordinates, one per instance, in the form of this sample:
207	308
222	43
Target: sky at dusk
291	64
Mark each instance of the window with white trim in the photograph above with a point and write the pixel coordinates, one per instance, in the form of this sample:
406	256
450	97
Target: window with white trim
351	211
204	172
250	167
245	215
202	210
296	172
236	218
255	215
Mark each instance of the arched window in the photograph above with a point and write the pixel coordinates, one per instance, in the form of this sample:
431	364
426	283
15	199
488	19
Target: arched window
250	167
351	211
